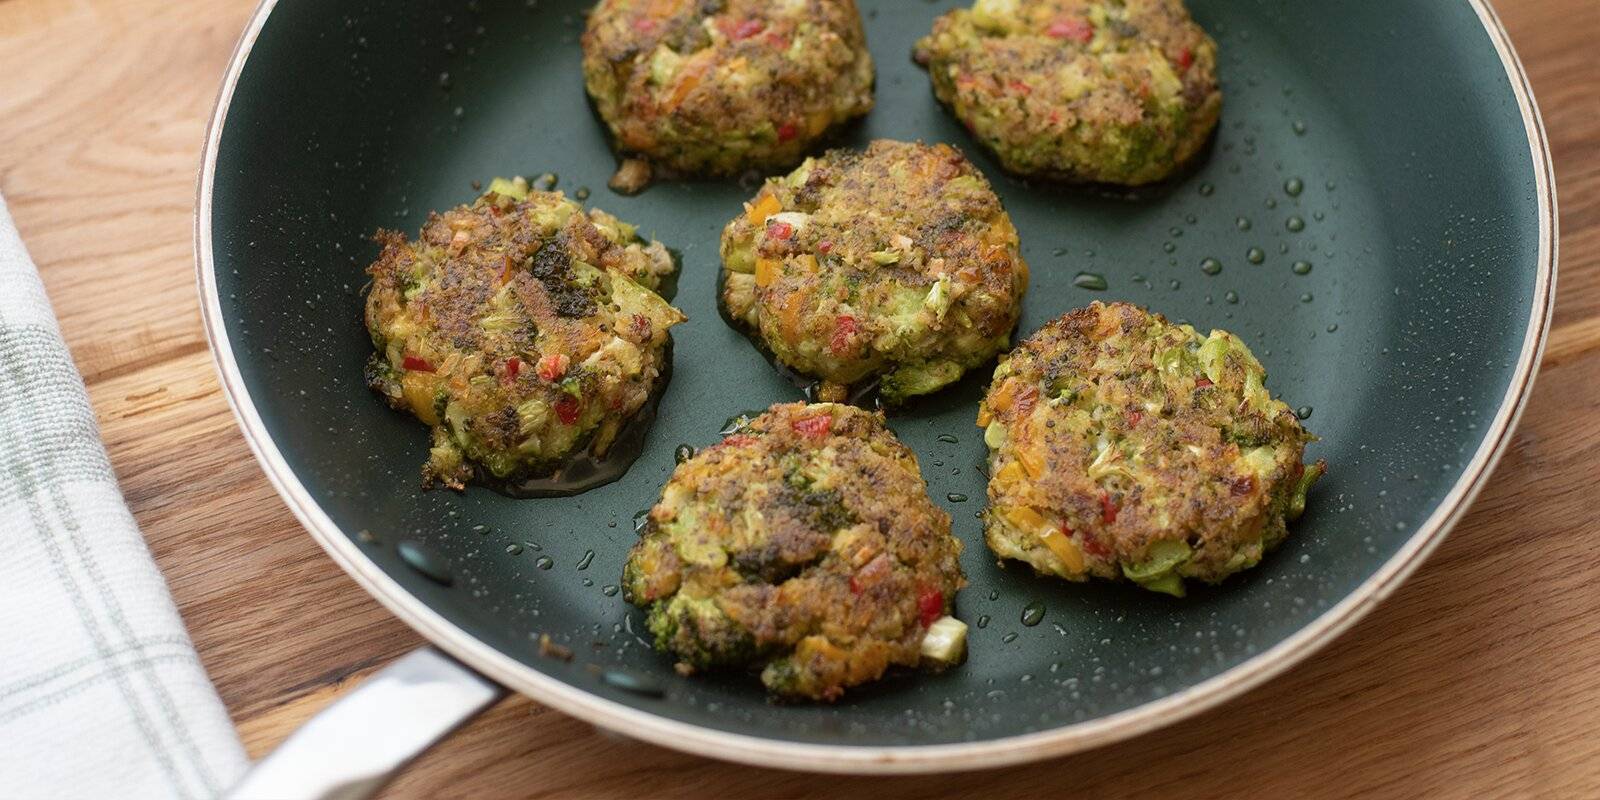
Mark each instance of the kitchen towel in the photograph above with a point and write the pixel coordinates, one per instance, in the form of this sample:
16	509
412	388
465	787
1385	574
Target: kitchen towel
101	694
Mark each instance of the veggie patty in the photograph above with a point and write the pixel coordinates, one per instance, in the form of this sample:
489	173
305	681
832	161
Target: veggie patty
895	264
803	545
1122	445
717	87
1110	91
522	329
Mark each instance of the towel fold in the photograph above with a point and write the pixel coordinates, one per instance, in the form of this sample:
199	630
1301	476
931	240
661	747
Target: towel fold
101	693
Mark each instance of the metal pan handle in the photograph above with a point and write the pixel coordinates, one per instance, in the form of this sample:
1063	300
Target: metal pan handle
353	747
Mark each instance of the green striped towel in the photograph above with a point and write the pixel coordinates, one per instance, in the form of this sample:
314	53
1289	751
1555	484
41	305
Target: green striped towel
101	694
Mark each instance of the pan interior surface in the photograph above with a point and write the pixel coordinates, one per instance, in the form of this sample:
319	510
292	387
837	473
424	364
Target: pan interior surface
1381	143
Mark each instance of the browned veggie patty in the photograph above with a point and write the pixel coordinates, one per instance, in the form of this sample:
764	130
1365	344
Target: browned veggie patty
1125	446
721	86
897	264
804	545
1114	91
521	328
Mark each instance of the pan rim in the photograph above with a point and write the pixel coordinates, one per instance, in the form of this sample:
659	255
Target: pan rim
898	759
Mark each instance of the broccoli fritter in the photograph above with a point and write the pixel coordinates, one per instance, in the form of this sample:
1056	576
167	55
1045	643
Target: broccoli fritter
895	264
521	328
1109	91
803	545
716	87
1122	445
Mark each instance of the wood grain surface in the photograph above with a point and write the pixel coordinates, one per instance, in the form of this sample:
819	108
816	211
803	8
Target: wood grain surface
1479	678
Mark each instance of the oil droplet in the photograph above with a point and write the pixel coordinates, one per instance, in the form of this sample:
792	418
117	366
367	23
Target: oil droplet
514	549
1232	297
1305	298
1302	268
640	520
1243	223
1059	252
1299	128
1175	284
1174	232
1255	255
1210	266
956	497
631	683
994	594
1333	327
423	560
544	562
1303	412
1090	281
1033	613
682	453
1293	187
609	590
480	529
582	193
1207	189
948	439
366	536
1295	224
983	621
1270	202
588	558
1169	247
1009	638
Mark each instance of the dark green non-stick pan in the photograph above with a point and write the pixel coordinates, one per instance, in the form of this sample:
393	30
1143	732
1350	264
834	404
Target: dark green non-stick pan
1392	147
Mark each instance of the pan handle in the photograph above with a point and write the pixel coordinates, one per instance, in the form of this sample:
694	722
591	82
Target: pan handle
353	747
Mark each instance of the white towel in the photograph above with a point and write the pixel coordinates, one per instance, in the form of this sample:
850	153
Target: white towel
101	694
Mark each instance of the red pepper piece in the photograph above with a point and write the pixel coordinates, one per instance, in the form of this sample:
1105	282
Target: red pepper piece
814	427
1074	28
844	330
1134	417
787	131
825	247
1201	383
748	28
552	368
1092	546
1186	59
1020	88
415	364
930	605
567	409
513	369
780	230
1108	509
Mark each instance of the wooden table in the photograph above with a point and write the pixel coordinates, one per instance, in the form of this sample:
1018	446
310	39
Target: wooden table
1478	679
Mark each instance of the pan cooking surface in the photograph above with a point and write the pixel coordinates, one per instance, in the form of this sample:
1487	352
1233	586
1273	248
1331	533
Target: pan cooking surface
1369	198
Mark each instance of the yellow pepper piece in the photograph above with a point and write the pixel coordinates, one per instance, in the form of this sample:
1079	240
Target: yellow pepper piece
1064	548
1024	518
984	416
1031	461
766	271
419	390
765	206
1011	473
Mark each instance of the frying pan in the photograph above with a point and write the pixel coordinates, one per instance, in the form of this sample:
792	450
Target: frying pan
1392	147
